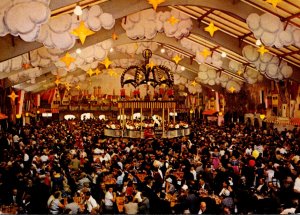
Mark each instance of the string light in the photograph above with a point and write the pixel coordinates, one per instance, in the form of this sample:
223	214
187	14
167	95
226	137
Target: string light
78	10
162	50
258	42
182	68
111	50
223	54
78	51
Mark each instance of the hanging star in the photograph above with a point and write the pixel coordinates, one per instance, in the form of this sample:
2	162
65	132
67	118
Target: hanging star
239	72
106	62
194	83
114	36
205	53
150	65
13	96
155	3
78	87
211	28
163	78
82	32
57	82
274	2
90	72
140	76
68	86
262	50
231	89
176	58
67	59
97	71
111	72
172	20
92	97
26	65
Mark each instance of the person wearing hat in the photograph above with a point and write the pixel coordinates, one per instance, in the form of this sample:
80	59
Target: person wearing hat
170	188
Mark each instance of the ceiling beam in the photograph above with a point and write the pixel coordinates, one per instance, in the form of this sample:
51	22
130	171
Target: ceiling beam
116	7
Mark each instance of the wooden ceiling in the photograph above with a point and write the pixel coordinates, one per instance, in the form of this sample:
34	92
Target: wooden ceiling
229	15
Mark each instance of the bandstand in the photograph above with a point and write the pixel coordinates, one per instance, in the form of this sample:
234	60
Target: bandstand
145	130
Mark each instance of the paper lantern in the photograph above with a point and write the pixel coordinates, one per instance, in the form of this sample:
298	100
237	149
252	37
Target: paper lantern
251	163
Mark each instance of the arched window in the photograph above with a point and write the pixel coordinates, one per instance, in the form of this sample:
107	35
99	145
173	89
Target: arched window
102	117
86	116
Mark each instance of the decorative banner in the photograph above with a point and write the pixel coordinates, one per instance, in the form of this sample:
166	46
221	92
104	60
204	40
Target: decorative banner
21	95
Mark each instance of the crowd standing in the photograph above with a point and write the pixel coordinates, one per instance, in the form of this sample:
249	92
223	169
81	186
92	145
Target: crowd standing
71	167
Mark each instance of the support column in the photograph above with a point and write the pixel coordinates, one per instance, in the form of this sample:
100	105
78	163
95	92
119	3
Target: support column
163	122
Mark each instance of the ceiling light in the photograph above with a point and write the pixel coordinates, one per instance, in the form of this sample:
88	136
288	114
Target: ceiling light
78	51
162	50
213	90
78	10
223	54
258	42
182	68
111	49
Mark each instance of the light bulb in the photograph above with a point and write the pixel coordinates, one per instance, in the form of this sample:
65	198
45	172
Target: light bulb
223	54
111	49
162	50
258	42
182	68
78	10
78	51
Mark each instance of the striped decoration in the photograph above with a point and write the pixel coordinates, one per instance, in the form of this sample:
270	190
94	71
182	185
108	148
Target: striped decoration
147	105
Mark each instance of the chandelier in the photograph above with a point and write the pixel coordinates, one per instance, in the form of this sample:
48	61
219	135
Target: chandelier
152	75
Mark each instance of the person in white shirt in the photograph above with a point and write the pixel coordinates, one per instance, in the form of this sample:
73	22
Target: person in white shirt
202	208
110	198
297	185
90	202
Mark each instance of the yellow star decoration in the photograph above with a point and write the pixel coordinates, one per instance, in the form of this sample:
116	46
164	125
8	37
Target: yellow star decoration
57	82
194	83
163	85
262	50
205	53
97	71
13	96
172	20
67	59
82	32
78	87
231	89
155	3
239	72
140	76
90	72
68	86
163	78
106	62
176	58
151	65
211	28
111	72
274	2
93	98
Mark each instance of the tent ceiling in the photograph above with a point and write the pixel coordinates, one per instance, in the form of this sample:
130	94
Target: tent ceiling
229	15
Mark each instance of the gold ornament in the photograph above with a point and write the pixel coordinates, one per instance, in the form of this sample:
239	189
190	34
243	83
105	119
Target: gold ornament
97	71
57	82
68	86
211	28
111	72
172	20
151	65
82	32
67	59
176	58
262	50
13	96
205	53
155	3
90	72
231	89
194	83
274	2
106	62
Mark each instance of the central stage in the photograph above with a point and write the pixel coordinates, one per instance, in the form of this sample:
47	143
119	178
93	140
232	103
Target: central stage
141	133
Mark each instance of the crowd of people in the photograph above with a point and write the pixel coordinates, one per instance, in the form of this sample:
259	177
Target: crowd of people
71	167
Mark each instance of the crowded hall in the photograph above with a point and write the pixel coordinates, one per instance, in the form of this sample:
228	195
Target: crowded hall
149	106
